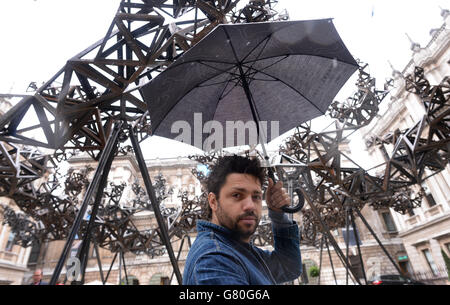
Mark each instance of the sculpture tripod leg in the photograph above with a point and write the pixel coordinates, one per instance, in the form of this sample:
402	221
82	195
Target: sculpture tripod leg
99	179
109	147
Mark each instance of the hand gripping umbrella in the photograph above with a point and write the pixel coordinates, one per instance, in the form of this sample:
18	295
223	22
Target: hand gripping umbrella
285	72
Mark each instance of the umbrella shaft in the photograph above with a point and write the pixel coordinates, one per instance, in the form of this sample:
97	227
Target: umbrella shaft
249	97
266	157
253	109
255	117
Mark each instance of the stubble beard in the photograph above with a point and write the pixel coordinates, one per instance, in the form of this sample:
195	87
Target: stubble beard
242	231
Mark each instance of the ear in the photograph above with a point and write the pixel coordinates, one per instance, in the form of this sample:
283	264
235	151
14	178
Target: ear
212	201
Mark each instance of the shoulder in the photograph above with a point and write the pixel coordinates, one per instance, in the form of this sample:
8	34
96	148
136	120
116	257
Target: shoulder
210	242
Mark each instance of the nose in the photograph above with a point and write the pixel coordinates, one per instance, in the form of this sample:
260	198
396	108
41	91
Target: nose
248	205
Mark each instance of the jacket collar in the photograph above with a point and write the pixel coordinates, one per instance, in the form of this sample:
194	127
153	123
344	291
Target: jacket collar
206	226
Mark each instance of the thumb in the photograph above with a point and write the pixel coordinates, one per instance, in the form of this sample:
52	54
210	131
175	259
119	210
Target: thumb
269	189
271	183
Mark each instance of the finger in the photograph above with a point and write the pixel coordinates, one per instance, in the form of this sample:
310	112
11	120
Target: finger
276	197
281	201
270	183
278	192
278	185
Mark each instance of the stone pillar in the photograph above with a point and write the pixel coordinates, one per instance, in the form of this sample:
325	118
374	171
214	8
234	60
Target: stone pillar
2	236
26	256
20	256
435	249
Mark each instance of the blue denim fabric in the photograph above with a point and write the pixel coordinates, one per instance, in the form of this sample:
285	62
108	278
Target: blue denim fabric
217	257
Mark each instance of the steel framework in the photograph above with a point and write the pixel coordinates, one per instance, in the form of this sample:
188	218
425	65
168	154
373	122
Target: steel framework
93	104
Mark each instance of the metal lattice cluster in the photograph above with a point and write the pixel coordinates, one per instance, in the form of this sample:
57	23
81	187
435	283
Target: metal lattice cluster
77	106
75	111
412	155
47	216
19	166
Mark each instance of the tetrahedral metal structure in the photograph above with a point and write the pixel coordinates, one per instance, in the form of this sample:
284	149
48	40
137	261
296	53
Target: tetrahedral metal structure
92	104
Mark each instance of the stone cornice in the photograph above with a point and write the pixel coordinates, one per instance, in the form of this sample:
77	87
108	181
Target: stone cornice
425	225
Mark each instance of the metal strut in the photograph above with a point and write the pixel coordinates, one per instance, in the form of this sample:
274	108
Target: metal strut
96	187
106	154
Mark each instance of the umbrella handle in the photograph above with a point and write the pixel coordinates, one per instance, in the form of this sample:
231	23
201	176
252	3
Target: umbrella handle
301	198
298	207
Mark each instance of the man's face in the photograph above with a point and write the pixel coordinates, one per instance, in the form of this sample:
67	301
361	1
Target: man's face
37	276
239	205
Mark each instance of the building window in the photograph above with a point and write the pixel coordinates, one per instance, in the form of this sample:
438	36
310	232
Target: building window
411	212
132	280
429	197
430	200
165	280
389	221
430	261
10	243
159	279
355	266
34	254
351	236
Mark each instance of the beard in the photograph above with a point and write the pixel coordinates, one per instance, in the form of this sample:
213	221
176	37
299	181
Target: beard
242	230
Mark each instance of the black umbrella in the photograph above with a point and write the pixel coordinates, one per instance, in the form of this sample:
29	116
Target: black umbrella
284	72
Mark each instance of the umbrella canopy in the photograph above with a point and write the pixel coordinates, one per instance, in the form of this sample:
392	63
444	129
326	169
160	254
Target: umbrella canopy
282	73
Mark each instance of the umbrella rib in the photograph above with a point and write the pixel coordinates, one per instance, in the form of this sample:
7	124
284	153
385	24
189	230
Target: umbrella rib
175	104
218	83
236	76
221	96
304	54
262	49
222	71
250	98
266	39
231	44
277	79
272	64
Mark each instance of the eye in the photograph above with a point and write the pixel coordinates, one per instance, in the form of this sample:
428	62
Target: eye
257	197
235	195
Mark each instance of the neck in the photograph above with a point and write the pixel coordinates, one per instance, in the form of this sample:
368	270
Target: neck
215	221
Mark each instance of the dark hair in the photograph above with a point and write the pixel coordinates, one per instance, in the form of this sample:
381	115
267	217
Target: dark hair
230	165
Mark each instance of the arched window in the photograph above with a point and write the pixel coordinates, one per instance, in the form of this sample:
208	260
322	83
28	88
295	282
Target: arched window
159	279
132	280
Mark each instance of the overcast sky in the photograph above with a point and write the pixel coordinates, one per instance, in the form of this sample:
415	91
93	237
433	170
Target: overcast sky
39	36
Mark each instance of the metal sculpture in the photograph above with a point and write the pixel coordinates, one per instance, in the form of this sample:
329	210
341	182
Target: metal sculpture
77	106
80	106
422	148
92	104
19	166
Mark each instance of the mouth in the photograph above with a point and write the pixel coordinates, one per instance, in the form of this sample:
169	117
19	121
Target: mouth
248	220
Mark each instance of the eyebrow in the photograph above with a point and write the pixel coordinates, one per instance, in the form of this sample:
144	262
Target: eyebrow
243	190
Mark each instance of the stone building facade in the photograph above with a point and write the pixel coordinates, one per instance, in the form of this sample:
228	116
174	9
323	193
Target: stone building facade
13	258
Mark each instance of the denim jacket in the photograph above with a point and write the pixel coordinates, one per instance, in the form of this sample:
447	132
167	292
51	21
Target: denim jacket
217	257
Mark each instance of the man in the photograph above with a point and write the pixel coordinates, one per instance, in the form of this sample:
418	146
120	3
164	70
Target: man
222	253
37	278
